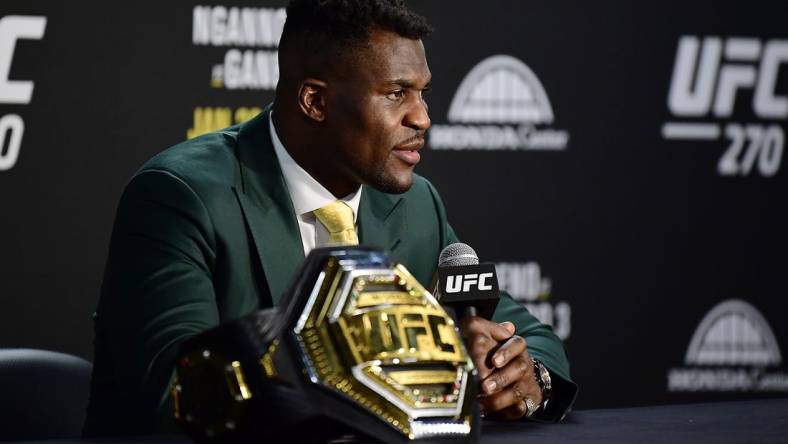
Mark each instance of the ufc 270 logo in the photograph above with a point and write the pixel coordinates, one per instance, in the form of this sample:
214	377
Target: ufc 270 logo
15	92
465	282
708	76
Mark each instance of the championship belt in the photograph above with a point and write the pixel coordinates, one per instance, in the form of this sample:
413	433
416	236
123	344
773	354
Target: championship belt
358	345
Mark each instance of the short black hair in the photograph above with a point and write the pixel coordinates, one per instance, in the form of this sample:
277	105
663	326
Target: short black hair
320	24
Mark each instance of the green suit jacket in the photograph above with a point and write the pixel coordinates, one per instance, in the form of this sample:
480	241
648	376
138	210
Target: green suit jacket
205	232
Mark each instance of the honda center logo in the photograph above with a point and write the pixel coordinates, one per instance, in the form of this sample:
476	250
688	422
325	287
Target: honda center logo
730	352
500	105
710	76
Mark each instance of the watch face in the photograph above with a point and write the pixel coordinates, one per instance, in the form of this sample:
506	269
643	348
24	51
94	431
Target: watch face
545	376
541	374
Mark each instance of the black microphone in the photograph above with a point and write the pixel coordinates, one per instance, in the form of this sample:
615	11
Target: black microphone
468	287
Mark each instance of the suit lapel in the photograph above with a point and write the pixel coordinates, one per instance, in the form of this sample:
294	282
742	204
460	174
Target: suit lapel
381	219
267	206
268	209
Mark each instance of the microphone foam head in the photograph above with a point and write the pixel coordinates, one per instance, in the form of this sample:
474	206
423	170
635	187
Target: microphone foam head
456	255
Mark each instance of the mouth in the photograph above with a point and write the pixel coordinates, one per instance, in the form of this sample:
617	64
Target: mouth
409	152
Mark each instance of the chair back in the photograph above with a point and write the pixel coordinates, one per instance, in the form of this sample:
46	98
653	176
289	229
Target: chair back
43	394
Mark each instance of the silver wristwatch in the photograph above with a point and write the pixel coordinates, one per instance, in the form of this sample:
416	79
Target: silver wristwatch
542	376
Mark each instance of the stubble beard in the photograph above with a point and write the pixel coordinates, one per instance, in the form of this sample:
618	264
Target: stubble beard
388	183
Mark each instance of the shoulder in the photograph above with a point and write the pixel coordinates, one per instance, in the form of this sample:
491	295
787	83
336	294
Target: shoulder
191	176
204	160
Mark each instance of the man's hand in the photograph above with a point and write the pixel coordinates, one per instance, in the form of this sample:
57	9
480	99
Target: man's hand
506	373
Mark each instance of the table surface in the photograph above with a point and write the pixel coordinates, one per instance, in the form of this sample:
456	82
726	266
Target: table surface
759	421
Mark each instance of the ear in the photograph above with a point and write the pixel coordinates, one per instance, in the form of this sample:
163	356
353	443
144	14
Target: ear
312	99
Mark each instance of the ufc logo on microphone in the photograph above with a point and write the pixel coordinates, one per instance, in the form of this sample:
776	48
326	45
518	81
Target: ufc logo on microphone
464	283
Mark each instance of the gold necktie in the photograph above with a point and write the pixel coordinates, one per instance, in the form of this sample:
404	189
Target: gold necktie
337	217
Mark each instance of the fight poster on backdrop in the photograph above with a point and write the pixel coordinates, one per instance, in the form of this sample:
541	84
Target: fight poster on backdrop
622	165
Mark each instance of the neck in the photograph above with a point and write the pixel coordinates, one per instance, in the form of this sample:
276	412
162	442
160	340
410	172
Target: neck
300	142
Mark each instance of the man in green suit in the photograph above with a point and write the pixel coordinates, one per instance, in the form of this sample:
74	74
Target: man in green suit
214	228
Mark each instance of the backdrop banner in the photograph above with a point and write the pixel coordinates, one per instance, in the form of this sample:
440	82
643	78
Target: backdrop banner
620	162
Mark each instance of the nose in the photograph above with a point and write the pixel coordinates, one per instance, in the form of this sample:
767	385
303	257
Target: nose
418	116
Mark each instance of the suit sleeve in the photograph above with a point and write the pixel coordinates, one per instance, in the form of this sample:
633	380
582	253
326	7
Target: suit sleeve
543	344
157	292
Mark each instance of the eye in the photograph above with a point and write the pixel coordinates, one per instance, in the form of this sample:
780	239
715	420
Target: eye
396	95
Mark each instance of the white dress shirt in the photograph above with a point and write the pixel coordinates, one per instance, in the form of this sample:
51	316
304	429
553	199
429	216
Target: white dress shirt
307	195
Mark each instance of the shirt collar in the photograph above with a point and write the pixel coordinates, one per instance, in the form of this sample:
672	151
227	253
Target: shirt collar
306	193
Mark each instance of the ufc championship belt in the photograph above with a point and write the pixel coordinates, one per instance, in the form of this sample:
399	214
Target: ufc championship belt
357	347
